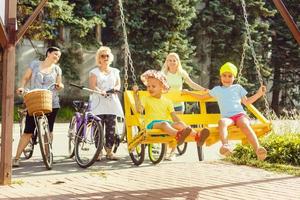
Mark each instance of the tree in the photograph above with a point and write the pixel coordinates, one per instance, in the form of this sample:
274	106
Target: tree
76	15
154	29
219	32
285	59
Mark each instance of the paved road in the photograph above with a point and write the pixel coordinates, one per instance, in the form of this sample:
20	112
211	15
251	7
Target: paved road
184	178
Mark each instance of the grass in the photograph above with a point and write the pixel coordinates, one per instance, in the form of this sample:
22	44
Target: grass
283	145
274	167
17	182
64	114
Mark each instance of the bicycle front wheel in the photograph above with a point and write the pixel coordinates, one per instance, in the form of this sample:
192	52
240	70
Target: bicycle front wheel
45	141
88	143
156	152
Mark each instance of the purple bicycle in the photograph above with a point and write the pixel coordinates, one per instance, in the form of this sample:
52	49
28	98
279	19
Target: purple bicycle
85	133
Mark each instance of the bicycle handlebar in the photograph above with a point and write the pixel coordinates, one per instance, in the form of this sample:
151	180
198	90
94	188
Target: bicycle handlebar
111	91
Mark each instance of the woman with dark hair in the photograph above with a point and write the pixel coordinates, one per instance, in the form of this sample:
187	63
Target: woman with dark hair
41	75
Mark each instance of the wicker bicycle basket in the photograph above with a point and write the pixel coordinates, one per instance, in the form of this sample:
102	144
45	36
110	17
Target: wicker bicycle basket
38	101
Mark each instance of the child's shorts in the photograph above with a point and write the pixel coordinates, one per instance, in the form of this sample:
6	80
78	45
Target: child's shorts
150	125
237	117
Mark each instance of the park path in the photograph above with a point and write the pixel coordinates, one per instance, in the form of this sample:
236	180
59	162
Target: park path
182	179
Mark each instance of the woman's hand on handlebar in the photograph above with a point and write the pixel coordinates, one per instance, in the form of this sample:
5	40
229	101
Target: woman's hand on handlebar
59	86
20	91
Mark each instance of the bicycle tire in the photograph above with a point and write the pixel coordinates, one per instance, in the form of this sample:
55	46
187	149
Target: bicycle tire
161	154
181	149
96	139
71	136
138	154
200	153
45	141
28	150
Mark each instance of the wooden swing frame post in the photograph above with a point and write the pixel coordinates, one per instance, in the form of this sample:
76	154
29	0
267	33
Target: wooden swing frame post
288	19
9	37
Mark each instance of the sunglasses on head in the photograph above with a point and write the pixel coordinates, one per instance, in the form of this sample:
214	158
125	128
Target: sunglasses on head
104	56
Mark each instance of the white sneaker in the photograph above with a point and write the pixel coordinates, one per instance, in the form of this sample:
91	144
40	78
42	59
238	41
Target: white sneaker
171	156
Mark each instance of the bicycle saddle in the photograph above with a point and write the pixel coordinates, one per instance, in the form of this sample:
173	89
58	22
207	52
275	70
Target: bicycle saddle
80	106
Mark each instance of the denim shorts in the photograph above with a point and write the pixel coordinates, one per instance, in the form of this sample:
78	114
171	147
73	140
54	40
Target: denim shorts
150	125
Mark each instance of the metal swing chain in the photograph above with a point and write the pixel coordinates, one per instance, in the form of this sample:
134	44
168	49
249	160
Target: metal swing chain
257	67
127	50
242	59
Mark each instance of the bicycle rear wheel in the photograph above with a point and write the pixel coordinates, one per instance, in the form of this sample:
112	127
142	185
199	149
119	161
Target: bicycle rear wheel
156	152
138	154
45	141
71	136
88	143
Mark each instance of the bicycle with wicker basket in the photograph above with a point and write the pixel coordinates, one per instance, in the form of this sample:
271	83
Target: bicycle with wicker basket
38	103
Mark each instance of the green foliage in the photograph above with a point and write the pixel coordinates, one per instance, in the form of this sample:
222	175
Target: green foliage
154	29
282	149
285	59
65	114
71	57
58	13
220	24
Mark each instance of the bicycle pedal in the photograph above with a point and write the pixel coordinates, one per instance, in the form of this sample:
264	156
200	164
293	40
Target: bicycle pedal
85	149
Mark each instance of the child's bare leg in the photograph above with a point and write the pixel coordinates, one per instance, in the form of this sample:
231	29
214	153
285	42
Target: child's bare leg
179	125
165	127
244	124
223	125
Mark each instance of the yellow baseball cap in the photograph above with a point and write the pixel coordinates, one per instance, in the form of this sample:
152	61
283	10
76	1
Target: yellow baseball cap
228	67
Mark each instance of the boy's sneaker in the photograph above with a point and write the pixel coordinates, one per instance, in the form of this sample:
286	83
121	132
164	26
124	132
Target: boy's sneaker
182	134
16	163
201	137
225	150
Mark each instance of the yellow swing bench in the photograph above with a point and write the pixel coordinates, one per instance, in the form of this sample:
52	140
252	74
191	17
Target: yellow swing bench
137	135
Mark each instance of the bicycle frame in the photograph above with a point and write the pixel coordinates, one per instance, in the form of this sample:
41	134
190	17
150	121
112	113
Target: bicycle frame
84	118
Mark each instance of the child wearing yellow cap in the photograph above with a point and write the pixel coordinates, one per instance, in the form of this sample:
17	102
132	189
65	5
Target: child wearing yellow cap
229	97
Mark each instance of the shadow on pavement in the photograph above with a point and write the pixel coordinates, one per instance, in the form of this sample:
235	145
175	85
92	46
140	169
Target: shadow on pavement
36	167
169	193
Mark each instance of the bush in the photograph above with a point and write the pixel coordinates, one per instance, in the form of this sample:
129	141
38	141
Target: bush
64	114
282	149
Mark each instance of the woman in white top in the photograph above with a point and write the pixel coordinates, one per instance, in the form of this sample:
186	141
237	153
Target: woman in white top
106	106
176	76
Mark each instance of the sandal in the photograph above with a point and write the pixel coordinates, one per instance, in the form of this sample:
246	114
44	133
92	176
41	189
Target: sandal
201	137
261	153
16	163
111	157
225	150
182	134
100	156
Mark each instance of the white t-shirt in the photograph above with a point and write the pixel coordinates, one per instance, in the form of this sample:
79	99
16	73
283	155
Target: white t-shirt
110	105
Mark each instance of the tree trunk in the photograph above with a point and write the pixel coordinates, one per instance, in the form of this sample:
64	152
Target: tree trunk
276	89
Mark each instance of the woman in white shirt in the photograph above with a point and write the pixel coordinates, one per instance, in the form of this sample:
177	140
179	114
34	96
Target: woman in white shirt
106	106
